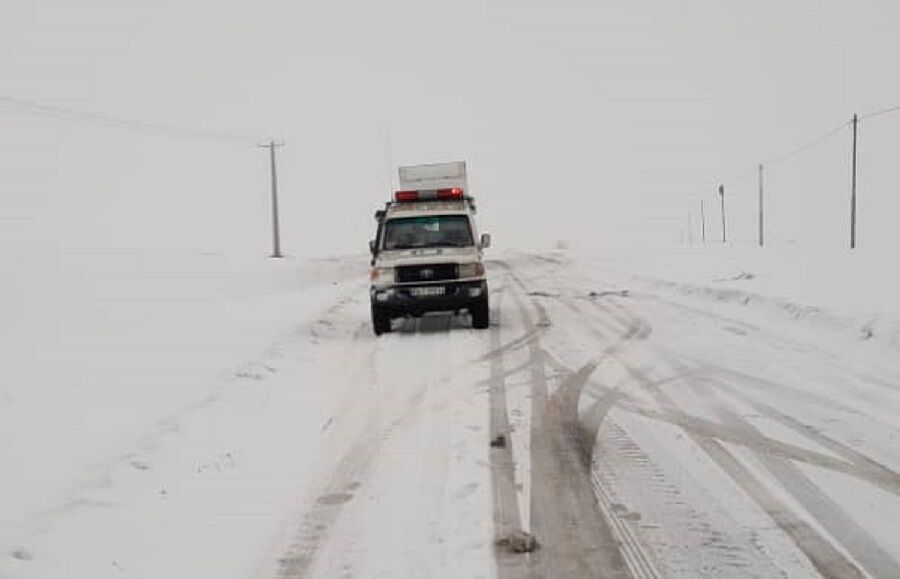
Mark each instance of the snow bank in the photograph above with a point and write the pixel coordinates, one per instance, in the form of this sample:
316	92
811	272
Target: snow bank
110	356
855	293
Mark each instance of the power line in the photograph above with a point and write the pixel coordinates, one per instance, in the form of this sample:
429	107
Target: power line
794	152
808	145
822	138
854	123
63	113
743	177
878	113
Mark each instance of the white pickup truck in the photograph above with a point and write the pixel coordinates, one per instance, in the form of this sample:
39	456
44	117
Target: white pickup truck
427	254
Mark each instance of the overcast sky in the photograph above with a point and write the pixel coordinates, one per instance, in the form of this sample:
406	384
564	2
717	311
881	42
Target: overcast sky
593	122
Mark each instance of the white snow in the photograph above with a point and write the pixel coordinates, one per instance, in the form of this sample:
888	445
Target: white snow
144	395
204	415
852	291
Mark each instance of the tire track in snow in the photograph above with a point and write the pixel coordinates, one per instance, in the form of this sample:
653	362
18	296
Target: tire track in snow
582	432
507	514
851	462
298	558
337	486
331	497
828	358
861	465
575	537
830	562
824	359
832	516
337	489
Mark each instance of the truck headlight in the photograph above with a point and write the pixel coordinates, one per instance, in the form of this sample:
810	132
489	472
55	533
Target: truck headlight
474	269
382	275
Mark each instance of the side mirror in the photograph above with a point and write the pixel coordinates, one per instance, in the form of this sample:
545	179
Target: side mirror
485	240
372	246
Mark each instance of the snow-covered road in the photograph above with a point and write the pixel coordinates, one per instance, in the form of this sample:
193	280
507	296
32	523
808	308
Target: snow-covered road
721	448
630	434
633	432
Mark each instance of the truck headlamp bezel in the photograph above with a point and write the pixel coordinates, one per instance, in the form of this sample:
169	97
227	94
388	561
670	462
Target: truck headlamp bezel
382	275
473	269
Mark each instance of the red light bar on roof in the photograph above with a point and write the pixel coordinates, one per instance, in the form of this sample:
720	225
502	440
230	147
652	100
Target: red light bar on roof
452	193
406	195
429	194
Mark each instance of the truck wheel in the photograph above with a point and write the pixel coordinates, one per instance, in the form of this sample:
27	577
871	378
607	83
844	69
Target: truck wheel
481	315
381	321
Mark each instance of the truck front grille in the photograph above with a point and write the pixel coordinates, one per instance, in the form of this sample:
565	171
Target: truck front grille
426	273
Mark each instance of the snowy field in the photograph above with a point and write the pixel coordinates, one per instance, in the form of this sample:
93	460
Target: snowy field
853	294
700	412
145	427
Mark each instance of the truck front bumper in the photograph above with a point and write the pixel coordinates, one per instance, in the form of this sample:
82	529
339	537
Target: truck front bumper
402	300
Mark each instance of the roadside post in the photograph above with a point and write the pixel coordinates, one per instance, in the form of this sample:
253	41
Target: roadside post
722	197
276	234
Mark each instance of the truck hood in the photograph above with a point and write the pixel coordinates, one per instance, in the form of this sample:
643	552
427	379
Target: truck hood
425	255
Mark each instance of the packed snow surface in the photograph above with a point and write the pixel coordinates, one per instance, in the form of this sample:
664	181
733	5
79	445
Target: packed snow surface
700	412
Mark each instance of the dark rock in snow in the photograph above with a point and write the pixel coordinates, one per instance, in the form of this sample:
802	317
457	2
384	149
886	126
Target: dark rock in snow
600	294
518	542
21	555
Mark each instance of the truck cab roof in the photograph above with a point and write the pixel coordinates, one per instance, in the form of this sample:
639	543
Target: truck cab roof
419	208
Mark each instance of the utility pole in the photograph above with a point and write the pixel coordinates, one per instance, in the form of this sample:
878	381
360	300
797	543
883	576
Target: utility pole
853	189
761	205
722	197
703	222
276	235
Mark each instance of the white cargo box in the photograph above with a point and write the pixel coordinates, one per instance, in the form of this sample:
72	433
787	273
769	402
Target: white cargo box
434	176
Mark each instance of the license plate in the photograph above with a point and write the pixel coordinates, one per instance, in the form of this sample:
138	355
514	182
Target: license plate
428	291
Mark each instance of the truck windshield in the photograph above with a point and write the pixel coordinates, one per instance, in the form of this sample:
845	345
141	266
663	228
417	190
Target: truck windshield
430	231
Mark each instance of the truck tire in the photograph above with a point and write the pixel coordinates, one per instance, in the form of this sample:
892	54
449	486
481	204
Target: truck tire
481	315
381	321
